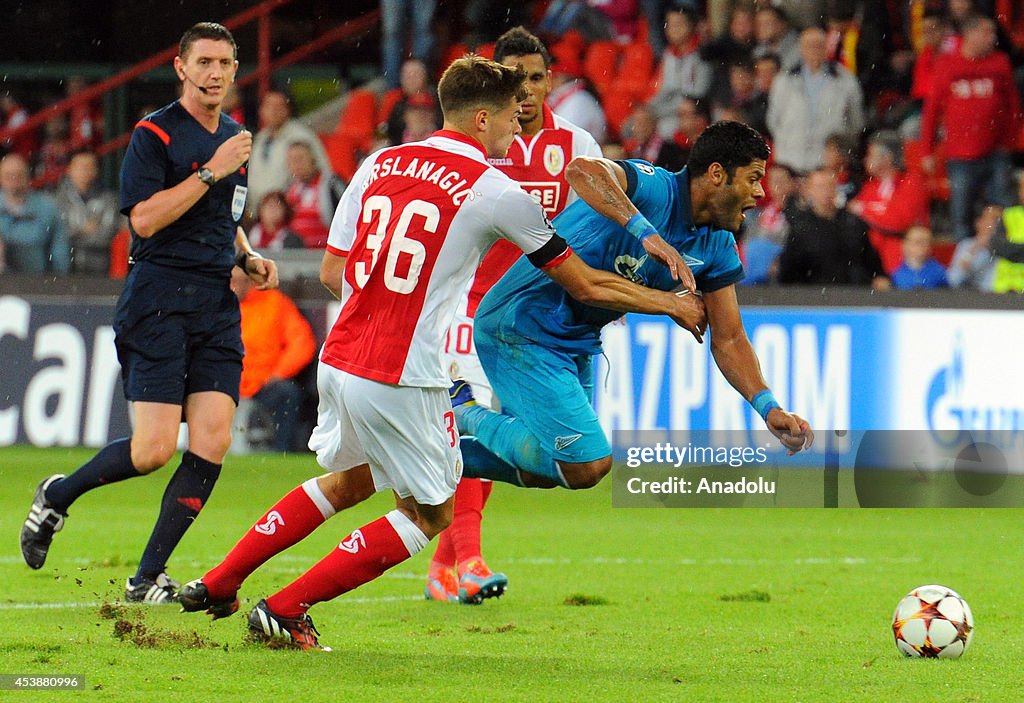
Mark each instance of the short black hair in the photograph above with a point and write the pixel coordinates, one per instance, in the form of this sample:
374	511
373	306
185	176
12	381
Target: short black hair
731	144
205	30
520	42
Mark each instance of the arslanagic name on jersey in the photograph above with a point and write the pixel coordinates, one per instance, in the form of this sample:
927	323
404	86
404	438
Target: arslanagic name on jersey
679	485
451	182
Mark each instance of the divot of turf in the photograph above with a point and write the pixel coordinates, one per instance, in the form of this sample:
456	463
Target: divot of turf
141	635
584	599
751	596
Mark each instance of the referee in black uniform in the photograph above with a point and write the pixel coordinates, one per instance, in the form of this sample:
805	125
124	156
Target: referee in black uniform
177	324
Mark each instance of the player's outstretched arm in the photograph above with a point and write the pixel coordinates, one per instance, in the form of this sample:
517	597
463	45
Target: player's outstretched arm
262	271
607	290
735	357
601	183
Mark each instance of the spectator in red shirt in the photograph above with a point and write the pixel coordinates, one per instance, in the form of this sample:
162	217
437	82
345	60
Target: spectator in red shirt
891	201
271	231
974	97
934	31
313	195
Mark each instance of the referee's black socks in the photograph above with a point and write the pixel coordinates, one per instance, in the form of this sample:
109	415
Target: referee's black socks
186	494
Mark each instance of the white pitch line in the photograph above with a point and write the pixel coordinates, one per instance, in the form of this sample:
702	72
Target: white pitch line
560	561
75	604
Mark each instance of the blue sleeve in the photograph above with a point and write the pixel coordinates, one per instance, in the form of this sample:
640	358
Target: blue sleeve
724	267
143	171
649	188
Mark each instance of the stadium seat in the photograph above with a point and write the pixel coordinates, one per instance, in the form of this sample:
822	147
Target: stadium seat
599	64
119	247
455	50
617	105
387	104
343	154
358	119
636	72
570	43
485	50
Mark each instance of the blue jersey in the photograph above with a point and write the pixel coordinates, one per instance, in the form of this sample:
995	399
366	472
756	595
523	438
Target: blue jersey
527	306
167	147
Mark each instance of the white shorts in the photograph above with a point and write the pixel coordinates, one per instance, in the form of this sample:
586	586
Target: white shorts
406	434
463	363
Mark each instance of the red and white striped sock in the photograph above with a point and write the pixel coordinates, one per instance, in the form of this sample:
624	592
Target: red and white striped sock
361	557
289	521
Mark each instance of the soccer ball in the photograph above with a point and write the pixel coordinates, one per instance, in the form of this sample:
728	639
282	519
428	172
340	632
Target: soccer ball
933	621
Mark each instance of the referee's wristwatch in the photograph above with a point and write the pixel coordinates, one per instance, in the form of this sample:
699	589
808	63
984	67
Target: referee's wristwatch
206	176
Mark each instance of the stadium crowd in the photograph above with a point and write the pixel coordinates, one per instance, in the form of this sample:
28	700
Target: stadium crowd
886	117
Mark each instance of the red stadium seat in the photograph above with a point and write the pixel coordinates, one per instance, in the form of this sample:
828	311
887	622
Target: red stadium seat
343	153
636	72
456	50
387	104
485	50
599	64
358	119
617	105
119	247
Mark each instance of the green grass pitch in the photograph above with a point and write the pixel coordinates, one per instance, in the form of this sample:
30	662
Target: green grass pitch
604	604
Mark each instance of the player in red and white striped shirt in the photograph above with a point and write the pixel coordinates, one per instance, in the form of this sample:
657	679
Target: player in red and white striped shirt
536	160
404	243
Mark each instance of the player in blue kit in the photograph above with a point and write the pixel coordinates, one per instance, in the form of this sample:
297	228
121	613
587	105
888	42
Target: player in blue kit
177	323
536	343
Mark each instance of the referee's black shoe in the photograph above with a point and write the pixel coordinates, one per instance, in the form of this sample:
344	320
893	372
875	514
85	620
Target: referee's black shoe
42	523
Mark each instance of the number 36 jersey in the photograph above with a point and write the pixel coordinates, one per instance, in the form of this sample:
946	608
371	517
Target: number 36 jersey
413	224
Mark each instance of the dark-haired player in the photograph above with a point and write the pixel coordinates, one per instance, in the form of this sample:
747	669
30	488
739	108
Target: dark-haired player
536	344
537	160
177	323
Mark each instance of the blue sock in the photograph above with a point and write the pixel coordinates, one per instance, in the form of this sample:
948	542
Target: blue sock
185	496
111	464
479	462
509	439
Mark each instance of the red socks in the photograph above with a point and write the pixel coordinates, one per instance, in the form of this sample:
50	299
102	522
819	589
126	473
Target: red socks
461	541
290	520
361	557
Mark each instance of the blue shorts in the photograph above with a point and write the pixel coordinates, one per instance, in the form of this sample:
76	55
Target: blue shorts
177	333
550	392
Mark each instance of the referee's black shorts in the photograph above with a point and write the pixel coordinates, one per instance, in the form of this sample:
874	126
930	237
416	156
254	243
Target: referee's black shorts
177	333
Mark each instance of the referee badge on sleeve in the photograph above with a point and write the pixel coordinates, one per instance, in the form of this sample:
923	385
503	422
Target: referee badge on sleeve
238	202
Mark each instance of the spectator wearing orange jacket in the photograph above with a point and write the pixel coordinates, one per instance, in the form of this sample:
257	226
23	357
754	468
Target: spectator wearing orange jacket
279	343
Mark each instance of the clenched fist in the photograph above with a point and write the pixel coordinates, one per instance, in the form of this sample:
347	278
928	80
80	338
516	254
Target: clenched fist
230	155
